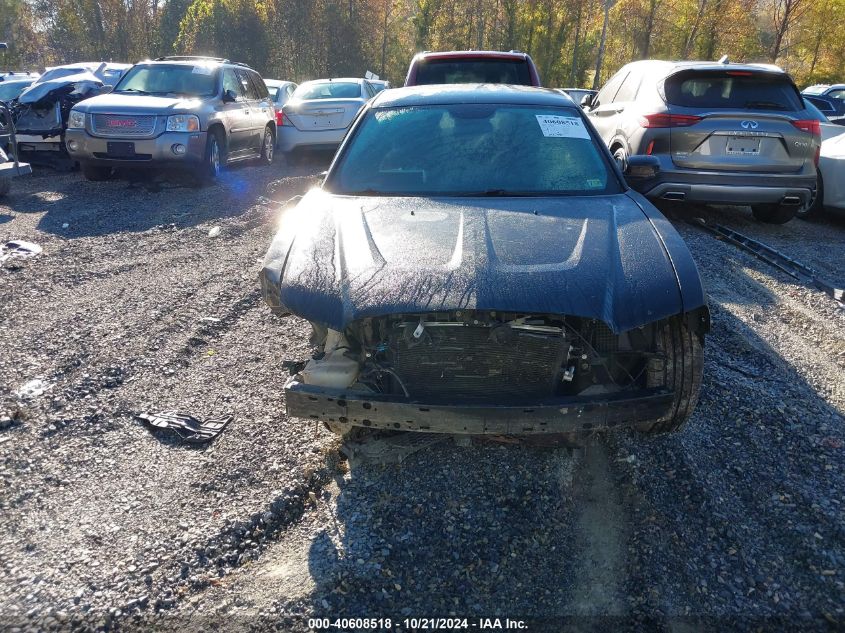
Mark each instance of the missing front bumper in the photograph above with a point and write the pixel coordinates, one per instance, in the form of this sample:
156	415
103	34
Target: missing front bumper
561	415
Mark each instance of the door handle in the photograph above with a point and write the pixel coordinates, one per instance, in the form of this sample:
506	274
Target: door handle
619	109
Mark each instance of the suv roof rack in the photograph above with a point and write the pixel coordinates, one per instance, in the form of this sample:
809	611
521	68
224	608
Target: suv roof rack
188	58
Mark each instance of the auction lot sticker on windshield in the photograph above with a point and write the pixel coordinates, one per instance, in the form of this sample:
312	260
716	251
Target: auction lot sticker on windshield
202	70
562	126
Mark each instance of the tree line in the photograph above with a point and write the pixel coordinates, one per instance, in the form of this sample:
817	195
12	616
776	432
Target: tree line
573	42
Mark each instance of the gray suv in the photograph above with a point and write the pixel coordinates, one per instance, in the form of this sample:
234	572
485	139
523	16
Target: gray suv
196	112
723	133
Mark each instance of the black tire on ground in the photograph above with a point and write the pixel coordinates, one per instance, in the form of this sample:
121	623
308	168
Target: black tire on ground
215	157
773	213
682	372
268	146
5	186
816	207
621	158
95	173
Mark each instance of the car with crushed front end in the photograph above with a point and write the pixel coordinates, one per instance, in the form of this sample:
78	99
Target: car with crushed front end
475	263
198	113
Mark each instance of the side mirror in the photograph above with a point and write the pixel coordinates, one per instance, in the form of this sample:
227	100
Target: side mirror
229	96
587	100
640	169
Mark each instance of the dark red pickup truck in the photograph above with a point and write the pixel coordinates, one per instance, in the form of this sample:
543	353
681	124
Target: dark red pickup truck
458	67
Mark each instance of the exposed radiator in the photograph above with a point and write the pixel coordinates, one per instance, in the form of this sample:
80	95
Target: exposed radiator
475	364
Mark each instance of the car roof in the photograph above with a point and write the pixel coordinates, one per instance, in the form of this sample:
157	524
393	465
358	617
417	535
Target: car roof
675	66
471	53
331	79
471	93
93	65
22	80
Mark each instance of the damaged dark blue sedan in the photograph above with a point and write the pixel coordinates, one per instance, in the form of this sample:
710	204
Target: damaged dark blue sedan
475	263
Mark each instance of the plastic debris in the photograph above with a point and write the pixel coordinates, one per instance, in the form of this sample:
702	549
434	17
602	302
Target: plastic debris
31	389
185	426
18	249
214	232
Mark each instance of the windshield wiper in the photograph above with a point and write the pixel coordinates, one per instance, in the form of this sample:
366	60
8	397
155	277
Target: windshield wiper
135	90
766	105
497	193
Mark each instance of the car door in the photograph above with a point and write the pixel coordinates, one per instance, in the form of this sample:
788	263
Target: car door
264	111
236	114
253	138
603	111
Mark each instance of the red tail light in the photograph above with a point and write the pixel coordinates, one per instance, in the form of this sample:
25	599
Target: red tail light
809	125
281	119
668	120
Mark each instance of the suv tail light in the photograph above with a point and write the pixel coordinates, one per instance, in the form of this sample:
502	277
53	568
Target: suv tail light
809	125
668	120
814	127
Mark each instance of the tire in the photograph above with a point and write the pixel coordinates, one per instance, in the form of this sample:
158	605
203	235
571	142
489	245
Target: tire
816	206
214	160
268	147
5	186
621	158
682	372
773	213
95	173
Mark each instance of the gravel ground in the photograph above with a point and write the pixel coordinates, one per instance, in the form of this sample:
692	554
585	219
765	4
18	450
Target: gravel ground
736	522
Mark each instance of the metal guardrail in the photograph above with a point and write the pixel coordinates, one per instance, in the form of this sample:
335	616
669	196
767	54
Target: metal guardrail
792	267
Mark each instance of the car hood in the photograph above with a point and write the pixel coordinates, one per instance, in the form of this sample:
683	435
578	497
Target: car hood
137	104
336	259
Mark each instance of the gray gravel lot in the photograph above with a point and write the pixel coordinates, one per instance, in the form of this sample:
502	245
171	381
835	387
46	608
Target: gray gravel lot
736	522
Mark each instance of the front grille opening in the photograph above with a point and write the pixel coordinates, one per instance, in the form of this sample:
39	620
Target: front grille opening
478	357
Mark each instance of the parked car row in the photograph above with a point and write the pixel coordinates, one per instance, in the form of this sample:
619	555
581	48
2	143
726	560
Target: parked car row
200	113
714	132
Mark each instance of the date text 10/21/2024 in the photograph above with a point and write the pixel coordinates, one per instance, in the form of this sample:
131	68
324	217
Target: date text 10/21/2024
417	624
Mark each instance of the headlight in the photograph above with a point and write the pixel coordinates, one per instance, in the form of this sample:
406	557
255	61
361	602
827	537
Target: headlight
76	119
183	123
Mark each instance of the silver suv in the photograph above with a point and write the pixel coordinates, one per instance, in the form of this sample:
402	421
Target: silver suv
197	112
723	133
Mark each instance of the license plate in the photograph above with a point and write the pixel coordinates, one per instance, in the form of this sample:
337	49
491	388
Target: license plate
324	120
743	146
120	149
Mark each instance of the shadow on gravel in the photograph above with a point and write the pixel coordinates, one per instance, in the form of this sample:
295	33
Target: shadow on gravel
103	208
739	519
476	531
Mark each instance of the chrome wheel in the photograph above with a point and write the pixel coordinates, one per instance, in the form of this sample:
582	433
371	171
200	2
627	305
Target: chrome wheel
268	146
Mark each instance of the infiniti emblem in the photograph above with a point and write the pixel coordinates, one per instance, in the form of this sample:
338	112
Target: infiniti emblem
749	125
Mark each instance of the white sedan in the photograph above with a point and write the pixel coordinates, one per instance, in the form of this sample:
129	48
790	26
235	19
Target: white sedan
831	185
